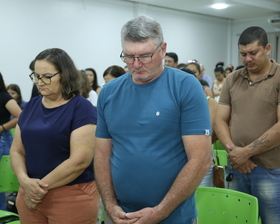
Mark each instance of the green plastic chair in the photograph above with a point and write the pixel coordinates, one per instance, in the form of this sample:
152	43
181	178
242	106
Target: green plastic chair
225	206
218	145
13	132
8	180
222	155
8	217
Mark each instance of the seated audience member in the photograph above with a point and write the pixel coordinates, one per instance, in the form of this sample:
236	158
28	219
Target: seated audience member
227	72
239	67
231	67
181	65
14	91
86	90
113	72
194	65
218	82
171	59
221	64
205	77
126	68
92	78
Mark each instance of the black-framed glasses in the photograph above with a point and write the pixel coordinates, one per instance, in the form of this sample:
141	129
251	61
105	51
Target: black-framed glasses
45	78
144	59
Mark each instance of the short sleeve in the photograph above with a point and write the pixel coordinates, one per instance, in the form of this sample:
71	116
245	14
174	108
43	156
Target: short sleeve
225	98
195	115
85	113
102	128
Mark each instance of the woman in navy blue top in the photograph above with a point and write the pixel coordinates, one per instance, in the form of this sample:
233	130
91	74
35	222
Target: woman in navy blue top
52	153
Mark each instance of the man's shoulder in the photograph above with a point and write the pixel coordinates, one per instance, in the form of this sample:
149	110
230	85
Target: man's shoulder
236	74
177	74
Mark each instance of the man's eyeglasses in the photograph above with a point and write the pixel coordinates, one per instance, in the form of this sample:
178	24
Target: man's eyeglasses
45	78
144	59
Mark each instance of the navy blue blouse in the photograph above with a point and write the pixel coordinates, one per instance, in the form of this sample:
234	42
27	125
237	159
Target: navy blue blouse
46	134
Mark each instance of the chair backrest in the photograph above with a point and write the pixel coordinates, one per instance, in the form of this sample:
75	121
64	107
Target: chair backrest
220	206
222	155
8	180
8	217
218	145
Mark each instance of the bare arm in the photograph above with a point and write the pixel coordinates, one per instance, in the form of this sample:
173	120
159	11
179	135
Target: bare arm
208	92
81	155
98	90
198	150
33	187
103	150
14	110
221	125
265	142
213	110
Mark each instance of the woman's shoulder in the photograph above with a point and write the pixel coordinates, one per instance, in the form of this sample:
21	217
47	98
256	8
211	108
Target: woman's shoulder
4	97
5	94
80	102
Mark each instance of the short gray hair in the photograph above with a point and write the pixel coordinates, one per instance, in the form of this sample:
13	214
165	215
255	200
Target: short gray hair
141	29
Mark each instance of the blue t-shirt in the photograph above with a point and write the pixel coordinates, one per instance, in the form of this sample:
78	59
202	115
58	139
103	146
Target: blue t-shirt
45	134
146	124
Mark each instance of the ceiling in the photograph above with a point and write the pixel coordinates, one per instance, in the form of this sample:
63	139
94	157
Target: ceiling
237	10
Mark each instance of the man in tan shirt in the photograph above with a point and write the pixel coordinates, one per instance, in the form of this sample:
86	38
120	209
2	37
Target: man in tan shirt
250	102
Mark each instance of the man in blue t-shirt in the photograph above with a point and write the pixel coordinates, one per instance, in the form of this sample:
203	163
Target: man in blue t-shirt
153	143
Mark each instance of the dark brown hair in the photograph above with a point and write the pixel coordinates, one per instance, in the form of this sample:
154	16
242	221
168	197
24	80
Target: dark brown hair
70	78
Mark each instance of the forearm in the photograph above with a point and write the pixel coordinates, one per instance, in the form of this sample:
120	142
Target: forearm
9	125
64	173
223	133
185	184
216	94
81	155
18	166
104	180
265	142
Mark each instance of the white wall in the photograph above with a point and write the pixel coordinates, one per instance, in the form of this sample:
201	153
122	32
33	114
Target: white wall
239	26
89	31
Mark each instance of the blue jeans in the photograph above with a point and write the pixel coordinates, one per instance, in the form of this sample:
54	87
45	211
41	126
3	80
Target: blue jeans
5	144
263	184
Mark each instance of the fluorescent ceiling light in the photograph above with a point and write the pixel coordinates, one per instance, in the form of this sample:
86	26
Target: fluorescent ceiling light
219	6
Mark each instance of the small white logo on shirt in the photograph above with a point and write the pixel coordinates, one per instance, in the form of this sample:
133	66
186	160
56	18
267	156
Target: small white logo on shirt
207	132
157	113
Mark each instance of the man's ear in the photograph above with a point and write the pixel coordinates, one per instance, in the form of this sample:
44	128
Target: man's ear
267	49
163	50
